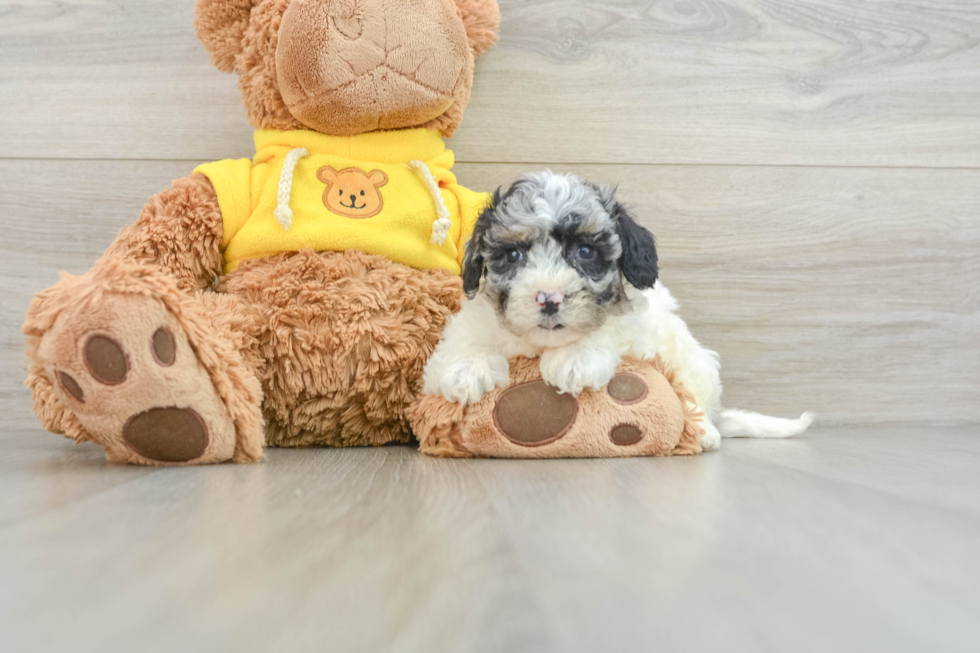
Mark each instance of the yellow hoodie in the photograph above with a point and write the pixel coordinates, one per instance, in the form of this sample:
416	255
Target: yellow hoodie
391	193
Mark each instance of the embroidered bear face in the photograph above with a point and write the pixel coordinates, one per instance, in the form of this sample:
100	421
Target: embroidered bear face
351	192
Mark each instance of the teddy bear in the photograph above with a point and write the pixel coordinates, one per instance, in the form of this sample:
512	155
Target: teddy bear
291	298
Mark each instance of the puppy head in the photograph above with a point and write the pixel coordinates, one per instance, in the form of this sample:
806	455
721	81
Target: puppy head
553	253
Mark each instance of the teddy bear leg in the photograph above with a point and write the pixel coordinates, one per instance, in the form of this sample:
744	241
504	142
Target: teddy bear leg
124	358
345	336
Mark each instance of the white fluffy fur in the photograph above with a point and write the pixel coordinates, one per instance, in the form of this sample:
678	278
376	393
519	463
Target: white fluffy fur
471	359
735	423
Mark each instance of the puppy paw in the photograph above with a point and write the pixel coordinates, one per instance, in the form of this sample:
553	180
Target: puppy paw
573	369
711	440
467	380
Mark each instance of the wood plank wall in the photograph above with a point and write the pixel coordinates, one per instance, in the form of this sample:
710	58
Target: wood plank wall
811	169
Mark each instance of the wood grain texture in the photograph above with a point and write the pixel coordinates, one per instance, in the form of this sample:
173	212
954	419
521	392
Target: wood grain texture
853	539
851	292
815	82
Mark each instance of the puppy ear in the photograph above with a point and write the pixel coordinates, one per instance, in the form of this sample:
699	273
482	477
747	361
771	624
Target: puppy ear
638	262
481	19
472	267
473	263
220	26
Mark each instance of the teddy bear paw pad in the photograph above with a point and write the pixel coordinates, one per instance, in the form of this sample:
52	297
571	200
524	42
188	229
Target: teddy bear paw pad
105	359
171	435
626	388
625	435
70	385
164	347
534	413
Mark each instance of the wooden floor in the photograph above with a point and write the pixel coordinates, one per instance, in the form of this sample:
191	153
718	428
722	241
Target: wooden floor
850	539
812	171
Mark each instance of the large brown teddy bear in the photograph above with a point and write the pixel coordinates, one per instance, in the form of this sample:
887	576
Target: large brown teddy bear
290	299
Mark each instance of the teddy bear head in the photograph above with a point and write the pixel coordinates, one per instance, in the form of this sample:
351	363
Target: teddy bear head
345	67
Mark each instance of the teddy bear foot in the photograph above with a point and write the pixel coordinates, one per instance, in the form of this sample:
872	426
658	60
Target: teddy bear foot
125	367
641	412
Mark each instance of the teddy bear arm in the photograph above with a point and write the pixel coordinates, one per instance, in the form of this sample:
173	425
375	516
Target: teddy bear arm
179	233
179	230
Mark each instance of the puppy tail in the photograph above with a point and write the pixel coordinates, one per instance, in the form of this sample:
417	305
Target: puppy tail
735	423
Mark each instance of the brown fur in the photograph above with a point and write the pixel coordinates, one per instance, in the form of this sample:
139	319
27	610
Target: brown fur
345	353
220	25
256	68
481	19
179	230
665	415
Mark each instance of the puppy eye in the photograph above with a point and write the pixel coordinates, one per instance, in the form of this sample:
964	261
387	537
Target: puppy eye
362	193
514	256
585	252
340	192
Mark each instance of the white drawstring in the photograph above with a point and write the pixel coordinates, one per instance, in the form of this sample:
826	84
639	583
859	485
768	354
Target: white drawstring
284	214
442	224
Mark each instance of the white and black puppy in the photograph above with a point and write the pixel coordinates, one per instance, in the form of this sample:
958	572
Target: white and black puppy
557	269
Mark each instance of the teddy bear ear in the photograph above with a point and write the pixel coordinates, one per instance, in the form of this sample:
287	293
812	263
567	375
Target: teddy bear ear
327	175
481	18
220	26
378	178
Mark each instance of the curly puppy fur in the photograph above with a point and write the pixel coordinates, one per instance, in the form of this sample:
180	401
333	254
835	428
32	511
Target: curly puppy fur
558	269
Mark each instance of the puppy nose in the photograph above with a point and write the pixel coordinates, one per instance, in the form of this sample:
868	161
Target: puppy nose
550	302
353	199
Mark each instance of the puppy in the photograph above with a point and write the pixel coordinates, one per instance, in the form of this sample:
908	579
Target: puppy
557	269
